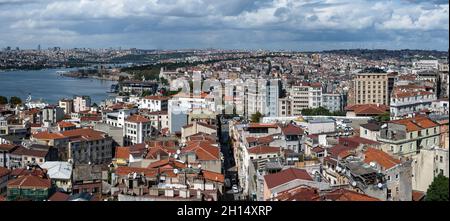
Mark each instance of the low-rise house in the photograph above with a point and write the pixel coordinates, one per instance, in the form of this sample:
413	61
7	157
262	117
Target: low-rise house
370	131
288	179
204	153
197	127
88	178
35	186
5	154
397	174
23	156
366	110
60	173
343	195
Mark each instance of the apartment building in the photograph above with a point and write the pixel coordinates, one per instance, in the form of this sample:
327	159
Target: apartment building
81	103
405	137
136	129
372	88
305	95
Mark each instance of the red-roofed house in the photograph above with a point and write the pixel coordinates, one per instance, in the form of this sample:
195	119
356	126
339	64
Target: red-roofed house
31	186
397	174
204	153
359	110
195	128
81	145
288	179
407	136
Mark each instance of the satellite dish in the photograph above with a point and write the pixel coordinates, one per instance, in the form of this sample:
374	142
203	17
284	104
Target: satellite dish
178	151
353	183
175	171
134	175
372	164
380	185
176	156
189	165
199	166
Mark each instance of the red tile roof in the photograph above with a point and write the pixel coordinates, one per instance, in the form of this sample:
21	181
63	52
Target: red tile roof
203	150
383	159
368	109
262	149
346	195
338	149
285	176
417	195
83	133
300	193
355	141
122	153
124	170
22	151
30	181
7	147
291	129
58	196
261	125
4	171
137	119
213	176
168	163
416	123
64	124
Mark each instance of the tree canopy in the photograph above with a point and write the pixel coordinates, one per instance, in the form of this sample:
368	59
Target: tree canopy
3	100
15	101
438	190
256	117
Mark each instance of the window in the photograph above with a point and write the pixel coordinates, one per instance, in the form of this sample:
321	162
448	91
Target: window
441	159
396	176
389	178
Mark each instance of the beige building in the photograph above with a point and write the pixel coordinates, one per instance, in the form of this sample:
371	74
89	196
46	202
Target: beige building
372	88
66	105
196	127
427	165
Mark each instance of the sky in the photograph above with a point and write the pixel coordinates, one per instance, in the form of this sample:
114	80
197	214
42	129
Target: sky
308	25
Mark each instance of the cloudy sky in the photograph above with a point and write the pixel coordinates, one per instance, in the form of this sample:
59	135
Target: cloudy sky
229	24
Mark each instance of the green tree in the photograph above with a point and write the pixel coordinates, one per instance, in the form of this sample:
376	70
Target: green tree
438	190
383	117
319	111
3	100
256	117
15	101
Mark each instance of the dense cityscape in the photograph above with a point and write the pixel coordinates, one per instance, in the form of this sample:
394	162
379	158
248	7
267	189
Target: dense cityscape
211	108
228	125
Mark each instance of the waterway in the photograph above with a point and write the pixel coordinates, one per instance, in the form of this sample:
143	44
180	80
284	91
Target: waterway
50	86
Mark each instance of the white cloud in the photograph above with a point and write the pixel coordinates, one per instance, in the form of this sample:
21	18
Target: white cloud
295	19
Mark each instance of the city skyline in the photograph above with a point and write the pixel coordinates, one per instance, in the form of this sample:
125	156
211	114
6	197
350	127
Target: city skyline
271	25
